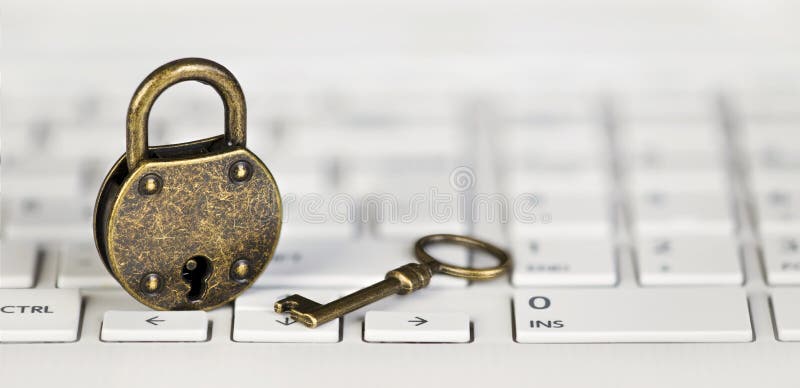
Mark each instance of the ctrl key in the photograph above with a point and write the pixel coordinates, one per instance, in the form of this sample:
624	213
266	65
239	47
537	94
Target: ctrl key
39	315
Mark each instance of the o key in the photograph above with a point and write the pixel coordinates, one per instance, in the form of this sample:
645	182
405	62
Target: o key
401	280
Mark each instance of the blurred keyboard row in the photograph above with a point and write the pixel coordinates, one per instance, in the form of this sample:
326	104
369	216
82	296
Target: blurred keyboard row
542	262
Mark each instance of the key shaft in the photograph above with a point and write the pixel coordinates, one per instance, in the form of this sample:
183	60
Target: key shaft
401	280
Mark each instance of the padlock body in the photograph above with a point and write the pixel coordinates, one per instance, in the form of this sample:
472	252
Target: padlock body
198	212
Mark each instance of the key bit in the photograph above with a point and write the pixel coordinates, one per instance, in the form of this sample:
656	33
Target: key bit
296	304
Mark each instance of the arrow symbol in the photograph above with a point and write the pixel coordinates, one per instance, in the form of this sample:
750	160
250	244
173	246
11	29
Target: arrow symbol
153	321
778	198
791	245
662	247
534	247
285	321
656	198
418	321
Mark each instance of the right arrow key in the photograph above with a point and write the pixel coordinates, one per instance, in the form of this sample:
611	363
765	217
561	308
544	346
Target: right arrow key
390	326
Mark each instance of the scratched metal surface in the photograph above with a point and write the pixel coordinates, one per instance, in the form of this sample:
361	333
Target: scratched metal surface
198	212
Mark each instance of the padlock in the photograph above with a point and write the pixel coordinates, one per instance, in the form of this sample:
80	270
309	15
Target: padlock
187	226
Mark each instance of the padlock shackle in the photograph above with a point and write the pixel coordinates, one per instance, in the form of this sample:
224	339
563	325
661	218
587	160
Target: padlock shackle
186	69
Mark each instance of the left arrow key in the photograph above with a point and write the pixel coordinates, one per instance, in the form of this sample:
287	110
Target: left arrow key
147	326
154	320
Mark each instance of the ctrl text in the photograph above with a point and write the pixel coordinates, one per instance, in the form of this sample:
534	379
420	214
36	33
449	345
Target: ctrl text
25	310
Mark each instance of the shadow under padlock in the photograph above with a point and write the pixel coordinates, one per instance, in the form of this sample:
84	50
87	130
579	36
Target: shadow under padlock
187	226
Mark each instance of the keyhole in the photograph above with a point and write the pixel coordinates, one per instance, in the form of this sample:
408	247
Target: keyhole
195	272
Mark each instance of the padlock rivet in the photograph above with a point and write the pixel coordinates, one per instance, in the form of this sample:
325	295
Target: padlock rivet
149	184
240	171
191	264
151	283
240	270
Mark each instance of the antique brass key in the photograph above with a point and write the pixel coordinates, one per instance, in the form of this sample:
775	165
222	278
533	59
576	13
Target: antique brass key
401	280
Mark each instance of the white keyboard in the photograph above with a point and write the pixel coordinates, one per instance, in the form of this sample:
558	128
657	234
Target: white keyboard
616	249
639	162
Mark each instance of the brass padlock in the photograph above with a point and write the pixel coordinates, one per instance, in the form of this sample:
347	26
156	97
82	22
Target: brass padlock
187	226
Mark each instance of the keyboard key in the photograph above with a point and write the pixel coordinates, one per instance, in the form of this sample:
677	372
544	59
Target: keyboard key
637	315
775	157
537	179
656	146
699	137
313	216
390	326
408	223
770	181
773	145
69	143
564	262
256	321
689	260
18	263
300	176
697	182
786	310
659	212
269	326
778	210
555	141
154	326
402	176
48	220
400	202
649	161
80	267
348	264
667	111
37	177
782	260
560	213
535	164
39	315
376	141
538	109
